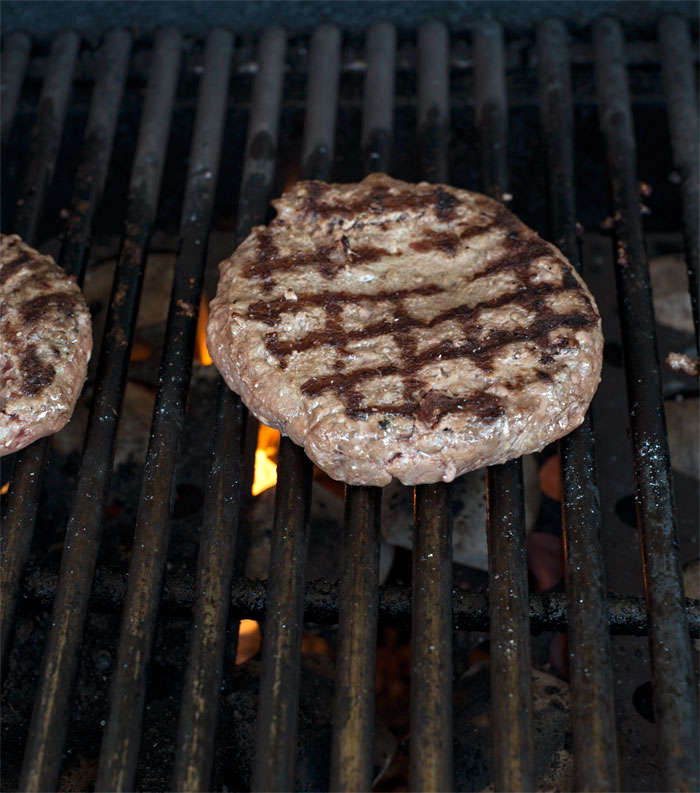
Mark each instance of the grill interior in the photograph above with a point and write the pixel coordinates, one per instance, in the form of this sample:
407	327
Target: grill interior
186	138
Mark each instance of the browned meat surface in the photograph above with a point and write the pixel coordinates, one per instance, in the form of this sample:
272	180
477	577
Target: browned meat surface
404	330
46	344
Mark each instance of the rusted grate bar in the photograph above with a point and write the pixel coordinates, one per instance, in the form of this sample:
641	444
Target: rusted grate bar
595	743
431	765
353	713
30	463
15	57
511	695
49	723
681	92
673	688
122	735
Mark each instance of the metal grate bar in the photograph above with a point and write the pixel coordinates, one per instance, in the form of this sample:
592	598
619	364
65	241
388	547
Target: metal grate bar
122	735
353	714
626	616
433	100
200	704
15	57
491	107
378	102
319	127
431	763
511	695
353	709
276	726
49	723
673	689
46	135
30	463
595	743
681	89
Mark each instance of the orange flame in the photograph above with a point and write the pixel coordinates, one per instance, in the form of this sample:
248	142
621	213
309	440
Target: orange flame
201	353
266	459
249	640
4	488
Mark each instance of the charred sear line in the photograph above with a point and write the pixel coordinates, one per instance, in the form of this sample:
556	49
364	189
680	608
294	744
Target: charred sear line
327	259
443	241
401	324
9	268
479	351
519	256
64	303
35	374
381	199
435	406
432	407
270	312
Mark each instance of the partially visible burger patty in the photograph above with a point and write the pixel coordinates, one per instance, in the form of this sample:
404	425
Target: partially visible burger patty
46	344
405	330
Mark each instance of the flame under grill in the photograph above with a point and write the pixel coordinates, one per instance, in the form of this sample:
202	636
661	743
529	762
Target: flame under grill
430	605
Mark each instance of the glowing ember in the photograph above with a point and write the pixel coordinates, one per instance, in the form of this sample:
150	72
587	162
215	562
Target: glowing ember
140	351
4	488
550	478
266	459
249	640
201	353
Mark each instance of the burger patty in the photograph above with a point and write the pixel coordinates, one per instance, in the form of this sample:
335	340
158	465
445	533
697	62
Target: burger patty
405	330
46	344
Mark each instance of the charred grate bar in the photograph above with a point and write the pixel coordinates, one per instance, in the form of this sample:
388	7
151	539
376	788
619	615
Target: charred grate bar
429	605
674	701
591	670
121	742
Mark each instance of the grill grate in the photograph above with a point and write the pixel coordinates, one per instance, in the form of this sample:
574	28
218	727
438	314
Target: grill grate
431	605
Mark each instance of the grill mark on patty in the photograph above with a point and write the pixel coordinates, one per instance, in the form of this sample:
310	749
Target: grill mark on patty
446	350
530	300
444	241
326	258
35	374
518	255
328	262
381	200
270	312
65	303
19	262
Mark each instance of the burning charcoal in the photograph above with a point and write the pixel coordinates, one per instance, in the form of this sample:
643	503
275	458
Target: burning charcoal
553	758
469	521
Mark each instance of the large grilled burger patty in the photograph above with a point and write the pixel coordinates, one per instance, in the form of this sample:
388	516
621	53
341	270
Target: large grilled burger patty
405	330
46	344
